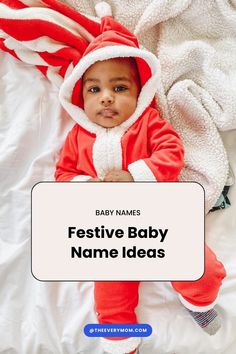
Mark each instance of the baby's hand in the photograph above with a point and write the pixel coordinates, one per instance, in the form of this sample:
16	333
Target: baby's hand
96	179
118	176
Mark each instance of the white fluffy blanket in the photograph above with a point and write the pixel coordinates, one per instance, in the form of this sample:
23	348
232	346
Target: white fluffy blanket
195	41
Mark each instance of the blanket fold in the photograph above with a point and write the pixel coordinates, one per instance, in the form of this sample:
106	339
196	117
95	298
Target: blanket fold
51	37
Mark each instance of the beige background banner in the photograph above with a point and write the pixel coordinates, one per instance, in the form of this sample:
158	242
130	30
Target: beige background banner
117	231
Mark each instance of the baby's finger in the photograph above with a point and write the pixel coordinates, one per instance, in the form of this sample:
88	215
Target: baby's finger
108	178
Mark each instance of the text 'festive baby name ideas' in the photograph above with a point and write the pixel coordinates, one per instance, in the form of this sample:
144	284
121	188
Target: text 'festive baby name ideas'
117	231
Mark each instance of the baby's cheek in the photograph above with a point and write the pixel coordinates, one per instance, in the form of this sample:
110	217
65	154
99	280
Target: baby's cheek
131	104
88	104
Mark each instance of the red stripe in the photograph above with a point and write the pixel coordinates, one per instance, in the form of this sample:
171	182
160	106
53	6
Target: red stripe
43	69
68	53
5	49
75	62
13	4
63	69
27	30
90	25
51	59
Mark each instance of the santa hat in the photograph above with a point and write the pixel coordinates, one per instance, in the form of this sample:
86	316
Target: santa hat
115	41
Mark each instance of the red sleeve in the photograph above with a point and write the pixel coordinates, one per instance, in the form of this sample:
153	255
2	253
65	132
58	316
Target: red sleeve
66	166
167	151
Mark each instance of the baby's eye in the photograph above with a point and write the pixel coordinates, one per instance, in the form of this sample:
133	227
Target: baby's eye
120	88
94	89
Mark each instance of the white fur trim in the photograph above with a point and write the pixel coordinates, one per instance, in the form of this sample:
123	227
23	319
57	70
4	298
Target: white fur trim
107	151
120	346
145	97
141	172
196	308
69	70
103	9
81	178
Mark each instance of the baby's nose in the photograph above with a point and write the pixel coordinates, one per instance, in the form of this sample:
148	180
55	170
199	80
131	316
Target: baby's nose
107	98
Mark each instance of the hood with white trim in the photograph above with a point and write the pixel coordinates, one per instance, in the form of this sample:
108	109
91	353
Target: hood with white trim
114	41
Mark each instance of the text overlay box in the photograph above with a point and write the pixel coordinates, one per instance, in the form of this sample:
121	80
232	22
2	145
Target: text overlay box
117	231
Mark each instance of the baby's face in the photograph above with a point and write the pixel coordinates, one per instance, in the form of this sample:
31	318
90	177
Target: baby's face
110	91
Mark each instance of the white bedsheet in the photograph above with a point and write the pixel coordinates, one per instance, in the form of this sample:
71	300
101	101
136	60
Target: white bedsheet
48	318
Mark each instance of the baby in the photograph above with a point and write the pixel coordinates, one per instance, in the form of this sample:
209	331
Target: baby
120	136
109	100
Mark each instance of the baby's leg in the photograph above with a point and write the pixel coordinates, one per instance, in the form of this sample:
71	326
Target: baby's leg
115	302
199	297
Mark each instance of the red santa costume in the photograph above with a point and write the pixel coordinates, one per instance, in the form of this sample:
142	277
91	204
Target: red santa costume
145	145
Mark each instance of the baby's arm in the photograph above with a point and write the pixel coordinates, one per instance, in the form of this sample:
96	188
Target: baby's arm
166	153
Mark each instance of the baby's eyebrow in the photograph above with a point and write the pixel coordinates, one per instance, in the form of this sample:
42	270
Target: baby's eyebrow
91	80
120	78
114	79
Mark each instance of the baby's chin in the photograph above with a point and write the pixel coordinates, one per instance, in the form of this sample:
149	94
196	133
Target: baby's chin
108	122
108	126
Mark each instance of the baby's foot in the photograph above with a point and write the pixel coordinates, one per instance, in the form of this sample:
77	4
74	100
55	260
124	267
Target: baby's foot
209	321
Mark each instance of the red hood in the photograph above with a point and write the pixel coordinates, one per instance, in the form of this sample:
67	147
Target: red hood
114	41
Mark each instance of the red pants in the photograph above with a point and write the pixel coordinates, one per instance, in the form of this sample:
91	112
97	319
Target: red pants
115	302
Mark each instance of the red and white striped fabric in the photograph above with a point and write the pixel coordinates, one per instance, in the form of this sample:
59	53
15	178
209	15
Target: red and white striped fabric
47	34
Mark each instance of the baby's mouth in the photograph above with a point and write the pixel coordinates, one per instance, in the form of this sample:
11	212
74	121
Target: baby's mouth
107	113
